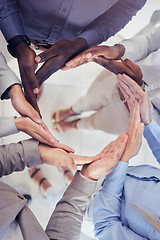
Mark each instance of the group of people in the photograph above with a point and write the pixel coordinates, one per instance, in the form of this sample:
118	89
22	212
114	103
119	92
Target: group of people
127	205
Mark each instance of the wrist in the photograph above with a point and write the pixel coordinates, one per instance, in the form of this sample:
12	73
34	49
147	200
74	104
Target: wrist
80	44
85	173
14	42
18	123
14	90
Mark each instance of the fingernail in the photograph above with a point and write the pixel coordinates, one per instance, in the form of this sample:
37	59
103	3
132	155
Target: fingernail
39	121
123	58
36	91
90	60
38	59
88	55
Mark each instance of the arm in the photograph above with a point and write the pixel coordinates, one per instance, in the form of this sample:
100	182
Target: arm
7	126
111	21
7	78
152	135
10	20
16	156
107	209
141	46
65	222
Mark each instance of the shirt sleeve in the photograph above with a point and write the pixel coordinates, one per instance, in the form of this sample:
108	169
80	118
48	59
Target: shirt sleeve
107	209
17	156
140	46
112	21
65	222
7	126
152	135
10	19
7	77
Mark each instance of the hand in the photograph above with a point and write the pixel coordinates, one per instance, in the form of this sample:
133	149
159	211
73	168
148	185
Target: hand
21	105
58	157
27	66
57	55
135	132
109	158
133	93
39	132
114	52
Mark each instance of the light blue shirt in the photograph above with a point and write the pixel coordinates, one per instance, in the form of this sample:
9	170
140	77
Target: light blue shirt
115	217
54	20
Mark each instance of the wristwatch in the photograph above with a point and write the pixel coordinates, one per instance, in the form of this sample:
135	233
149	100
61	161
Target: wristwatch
12	43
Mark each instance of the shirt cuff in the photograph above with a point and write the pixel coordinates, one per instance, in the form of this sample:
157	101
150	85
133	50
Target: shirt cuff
31	152
115	180
83	184
153	128
8	126
91	36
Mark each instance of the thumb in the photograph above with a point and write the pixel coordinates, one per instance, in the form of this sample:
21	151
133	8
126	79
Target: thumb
44	56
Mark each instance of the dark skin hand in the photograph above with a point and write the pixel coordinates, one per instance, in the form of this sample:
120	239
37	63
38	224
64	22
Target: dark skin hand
27	66
56	56
124	66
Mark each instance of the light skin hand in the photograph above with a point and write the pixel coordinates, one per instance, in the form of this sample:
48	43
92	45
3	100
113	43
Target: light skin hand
113	52
38	132
58	157
133	93
21	105
135	132
109	158
27	65
57	55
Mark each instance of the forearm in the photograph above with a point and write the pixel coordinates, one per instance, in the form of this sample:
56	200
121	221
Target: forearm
108	206
10	19
66	220
141	46
7	77
152	135
16	156
8	126
111	22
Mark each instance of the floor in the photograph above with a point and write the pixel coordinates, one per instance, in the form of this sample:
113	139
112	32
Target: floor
60	91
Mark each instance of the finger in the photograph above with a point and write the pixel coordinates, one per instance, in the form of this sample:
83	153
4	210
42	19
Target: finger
134	87
47	54
63	146
134	121
139	133
30	77
80	57
134	67
48	68
81	160
31	98
126	91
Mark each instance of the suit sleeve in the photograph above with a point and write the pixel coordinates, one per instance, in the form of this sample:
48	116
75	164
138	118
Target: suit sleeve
65	222
7	77
140	46
17	156
112	21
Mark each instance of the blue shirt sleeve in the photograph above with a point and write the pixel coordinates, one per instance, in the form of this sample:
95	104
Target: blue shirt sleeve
111	22
10	19
108	208
152	135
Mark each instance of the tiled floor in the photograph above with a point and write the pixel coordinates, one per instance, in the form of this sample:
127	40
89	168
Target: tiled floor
60	91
